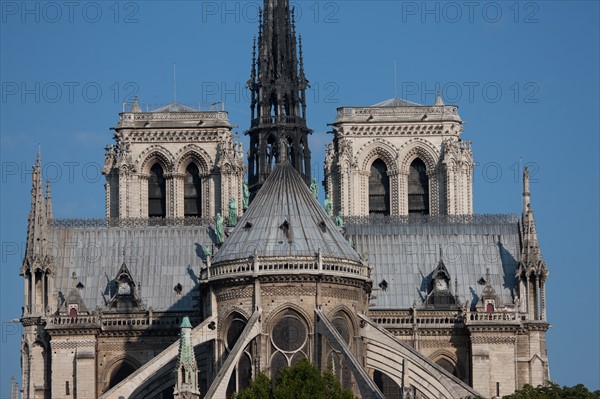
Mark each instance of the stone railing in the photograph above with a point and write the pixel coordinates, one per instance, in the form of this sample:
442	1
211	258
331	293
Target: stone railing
278	120
130	222
433	219
310	266
110	322
79	319
408	320
437	112
492	316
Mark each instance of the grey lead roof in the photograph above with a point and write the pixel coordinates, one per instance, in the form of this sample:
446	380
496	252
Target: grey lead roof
284	197
158	258
405	255
402	254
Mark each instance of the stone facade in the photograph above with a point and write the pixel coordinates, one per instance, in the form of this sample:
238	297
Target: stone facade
397	133
173	137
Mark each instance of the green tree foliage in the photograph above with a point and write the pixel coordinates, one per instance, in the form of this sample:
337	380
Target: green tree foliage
260	388
302	381
554	391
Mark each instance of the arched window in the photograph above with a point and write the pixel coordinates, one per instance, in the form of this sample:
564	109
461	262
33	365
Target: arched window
242	374
418	188
122	371
192	194
289	341
447	365
379	189
157	204
387	385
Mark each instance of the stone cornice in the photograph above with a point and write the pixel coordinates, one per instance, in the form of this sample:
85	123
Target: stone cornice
172	135
406	129
493	340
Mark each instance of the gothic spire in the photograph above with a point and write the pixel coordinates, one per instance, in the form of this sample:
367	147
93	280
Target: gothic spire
531	255
438	100
277	62
278	106
49	210
37	220
187	368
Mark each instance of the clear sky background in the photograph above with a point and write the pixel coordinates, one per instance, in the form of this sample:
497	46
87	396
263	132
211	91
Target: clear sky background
524	74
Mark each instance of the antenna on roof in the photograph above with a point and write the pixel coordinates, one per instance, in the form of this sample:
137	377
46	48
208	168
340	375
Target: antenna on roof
174	83
395	80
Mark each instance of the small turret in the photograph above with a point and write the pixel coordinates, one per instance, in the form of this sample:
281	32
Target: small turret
136	105
438	100
531	270
187	368
49	210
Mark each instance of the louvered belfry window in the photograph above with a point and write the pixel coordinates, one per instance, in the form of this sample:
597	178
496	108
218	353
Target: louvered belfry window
192	194
418	188
157	203
379	189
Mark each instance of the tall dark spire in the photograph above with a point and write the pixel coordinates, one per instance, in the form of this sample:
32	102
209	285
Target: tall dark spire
278	102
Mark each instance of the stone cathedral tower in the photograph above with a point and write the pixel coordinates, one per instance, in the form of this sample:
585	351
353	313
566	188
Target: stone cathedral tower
409	158
278	102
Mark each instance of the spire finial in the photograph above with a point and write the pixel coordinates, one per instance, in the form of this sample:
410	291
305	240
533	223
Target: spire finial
438	100
49	210
136	105
526	192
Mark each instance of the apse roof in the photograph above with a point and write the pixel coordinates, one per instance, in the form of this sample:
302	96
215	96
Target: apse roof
284	219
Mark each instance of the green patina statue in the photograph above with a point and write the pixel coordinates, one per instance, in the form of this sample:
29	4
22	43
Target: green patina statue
328	205
246	195
339	220
233	212
314	189
220	229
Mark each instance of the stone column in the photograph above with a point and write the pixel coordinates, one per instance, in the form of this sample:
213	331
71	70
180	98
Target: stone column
178	195
403	192
543	297
395	198
33	292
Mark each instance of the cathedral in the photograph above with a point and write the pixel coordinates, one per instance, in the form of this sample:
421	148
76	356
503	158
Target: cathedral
214	264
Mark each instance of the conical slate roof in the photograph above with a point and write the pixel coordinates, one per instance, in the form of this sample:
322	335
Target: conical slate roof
284	219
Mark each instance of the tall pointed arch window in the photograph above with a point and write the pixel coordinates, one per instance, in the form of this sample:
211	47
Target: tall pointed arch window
192	193
157	204
379	189
418	188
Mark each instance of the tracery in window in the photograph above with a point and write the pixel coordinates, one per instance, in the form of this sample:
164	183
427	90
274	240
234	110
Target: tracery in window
418	188
157	204
192	194
379	189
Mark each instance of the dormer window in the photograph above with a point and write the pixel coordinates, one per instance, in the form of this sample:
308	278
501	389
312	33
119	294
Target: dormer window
124	286
73	310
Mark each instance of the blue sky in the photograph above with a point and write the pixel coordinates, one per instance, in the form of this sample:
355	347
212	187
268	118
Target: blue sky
524	74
